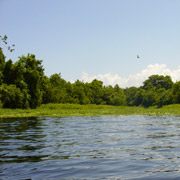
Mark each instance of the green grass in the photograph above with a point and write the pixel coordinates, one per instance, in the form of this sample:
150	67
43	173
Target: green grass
59	110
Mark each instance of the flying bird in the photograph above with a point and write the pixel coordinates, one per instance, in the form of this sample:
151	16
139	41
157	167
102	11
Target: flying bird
138	56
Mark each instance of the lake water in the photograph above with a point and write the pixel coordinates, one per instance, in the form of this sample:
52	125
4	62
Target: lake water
99	147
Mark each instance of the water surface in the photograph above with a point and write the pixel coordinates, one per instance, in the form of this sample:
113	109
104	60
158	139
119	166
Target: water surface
101	147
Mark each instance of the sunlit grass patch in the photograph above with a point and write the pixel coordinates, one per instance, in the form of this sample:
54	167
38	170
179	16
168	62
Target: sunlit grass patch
59	110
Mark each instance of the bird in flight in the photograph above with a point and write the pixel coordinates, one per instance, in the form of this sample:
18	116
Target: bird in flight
138	56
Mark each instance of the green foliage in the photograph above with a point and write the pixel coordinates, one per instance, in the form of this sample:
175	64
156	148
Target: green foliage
79	93
32	73
156	91
96	92
139	97
24	85
130	95
157	82
2	60
149	98
60	90
60	110
46	90
176	93
12	97
8	72
3	41
114	96
2	63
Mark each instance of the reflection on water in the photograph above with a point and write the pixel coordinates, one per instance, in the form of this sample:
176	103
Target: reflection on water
102	147
20	140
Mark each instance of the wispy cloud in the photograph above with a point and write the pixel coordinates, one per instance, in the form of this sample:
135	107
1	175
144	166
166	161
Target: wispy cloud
136	79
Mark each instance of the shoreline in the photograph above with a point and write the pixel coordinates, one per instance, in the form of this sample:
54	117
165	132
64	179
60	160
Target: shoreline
60	110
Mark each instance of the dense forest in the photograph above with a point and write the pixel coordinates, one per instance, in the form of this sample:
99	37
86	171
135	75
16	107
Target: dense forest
23	84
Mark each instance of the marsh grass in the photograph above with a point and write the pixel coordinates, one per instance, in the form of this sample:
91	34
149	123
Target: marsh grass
59	110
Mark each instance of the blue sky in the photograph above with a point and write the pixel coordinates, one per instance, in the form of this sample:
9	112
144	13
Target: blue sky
85	39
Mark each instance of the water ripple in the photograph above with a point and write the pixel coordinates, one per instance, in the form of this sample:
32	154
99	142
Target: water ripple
102	147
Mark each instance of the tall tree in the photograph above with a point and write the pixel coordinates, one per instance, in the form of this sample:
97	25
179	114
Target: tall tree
2	64
58	89
33	74
79	93
97	92
157	82
176	93
130	95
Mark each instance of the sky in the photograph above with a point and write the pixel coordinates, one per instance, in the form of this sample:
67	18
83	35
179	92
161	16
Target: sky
88	39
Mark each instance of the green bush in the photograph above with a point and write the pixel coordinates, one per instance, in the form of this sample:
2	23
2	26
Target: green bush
12	97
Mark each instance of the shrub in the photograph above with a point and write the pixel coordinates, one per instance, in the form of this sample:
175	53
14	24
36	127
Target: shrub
12	97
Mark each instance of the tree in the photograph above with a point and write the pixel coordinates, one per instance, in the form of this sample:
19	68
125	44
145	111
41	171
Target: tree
2	59
57	81
2	63
58	89
33	74
119	96
97	92
139	97
157	82
130	95
149	98
164	97
8	72
108	95
46	89
3	42
176	93
114	96
156	91
12	97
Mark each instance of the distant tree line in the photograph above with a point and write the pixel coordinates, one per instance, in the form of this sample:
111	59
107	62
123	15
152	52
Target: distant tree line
23	84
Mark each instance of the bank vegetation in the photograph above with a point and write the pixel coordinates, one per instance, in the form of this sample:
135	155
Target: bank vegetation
23	85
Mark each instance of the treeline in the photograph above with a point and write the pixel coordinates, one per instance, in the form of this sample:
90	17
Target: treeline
23	84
